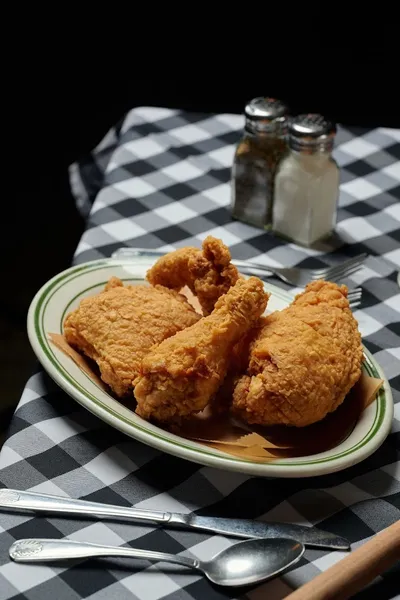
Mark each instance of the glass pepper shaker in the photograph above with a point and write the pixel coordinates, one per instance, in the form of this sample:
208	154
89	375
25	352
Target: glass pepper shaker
307	182
256	157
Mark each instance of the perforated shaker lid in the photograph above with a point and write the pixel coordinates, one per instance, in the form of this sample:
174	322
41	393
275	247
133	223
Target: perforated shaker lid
312	131
266	115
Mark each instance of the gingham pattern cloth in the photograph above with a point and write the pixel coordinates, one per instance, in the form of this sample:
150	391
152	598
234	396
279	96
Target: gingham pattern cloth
160	179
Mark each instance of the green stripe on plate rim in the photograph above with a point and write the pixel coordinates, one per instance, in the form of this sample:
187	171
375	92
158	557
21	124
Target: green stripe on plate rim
74	272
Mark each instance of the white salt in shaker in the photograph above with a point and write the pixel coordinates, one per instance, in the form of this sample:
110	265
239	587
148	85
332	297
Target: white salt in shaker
307	182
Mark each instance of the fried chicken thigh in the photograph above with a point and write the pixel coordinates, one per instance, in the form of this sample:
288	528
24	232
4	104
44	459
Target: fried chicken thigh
303	361
180	376
208	273
117	328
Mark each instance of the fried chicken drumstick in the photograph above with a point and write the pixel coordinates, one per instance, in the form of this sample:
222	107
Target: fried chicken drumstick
180	376
117	328
208	272
303	361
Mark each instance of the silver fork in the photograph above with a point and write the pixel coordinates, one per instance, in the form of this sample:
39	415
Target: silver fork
295	276
300	277
354	296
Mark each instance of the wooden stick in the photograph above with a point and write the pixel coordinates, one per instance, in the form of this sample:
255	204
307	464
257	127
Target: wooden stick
355	571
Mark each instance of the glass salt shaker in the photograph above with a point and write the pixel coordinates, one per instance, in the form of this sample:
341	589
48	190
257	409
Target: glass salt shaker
259	151
307	182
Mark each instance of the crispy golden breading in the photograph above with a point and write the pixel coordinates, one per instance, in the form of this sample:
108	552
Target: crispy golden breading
180	376
303	362
208	273
117	327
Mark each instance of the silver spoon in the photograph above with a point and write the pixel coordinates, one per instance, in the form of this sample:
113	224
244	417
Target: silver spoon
243	563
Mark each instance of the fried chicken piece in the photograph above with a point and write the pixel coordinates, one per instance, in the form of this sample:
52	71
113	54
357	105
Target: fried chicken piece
303	362
117	327
208	273
180	376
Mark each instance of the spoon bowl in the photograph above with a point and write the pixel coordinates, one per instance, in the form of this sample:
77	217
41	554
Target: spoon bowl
252	561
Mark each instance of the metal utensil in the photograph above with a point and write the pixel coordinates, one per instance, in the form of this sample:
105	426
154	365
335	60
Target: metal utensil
354	297
301	277
298	277
243	563
242	528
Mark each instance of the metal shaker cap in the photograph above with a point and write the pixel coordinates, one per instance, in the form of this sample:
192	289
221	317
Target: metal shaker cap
266	115
311	133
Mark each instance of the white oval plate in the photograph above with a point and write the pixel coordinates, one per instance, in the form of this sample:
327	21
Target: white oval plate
64	292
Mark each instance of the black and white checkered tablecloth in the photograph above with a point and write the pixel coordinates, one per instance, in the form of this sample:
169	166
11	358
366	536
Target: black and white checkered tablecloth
161	180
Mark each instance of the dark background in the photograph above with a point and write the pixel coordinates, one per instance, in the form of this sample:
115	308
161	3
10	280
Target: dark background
55	115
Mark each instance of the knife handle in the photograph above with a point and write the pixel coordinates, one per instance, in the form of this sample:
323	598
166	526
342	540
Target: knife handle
353	573
49	504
